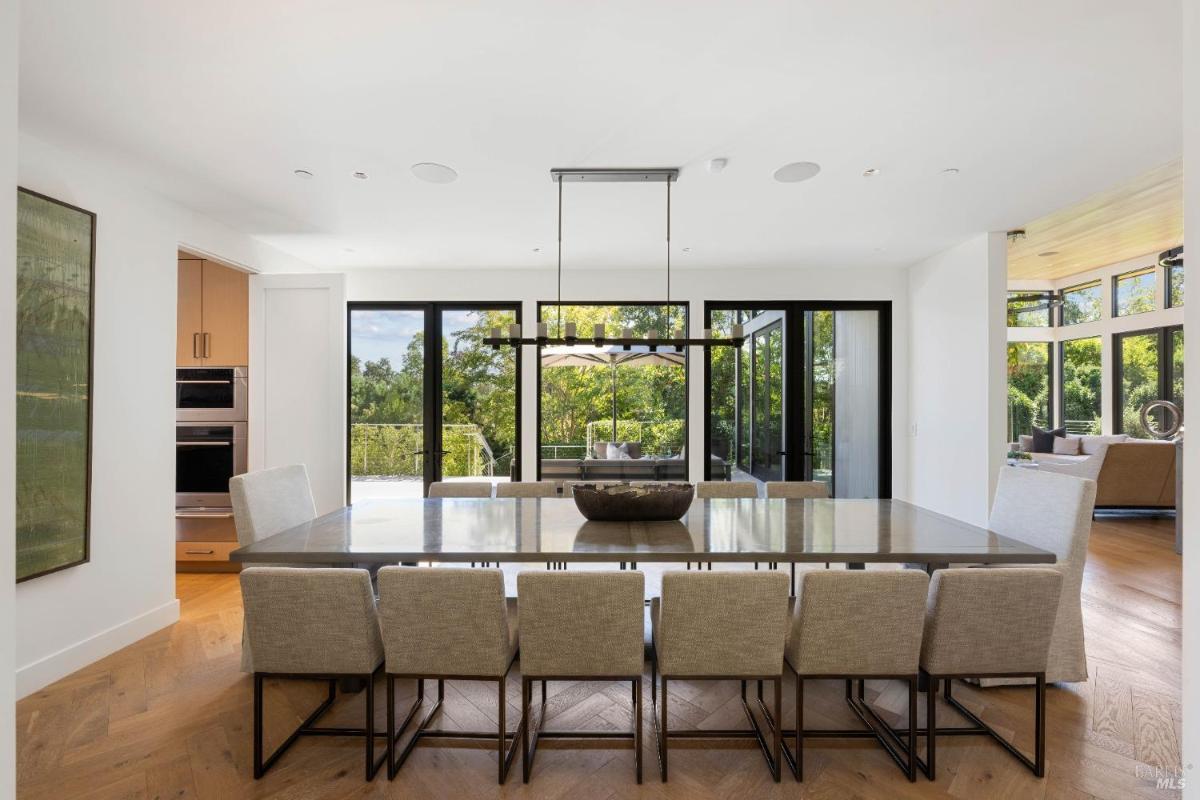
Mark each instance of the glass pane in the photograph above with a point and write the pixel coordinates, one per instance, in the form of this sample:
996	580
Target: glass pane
1028	309
479	397
1081	305
1082	385
822	368
591	397
767	402
1175	287
1177	367
854	398
387	379
1139	380
1135	293
1028	387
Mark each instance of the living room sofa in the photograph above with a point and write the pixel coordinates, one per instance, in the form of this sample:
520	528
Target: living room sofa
1129	473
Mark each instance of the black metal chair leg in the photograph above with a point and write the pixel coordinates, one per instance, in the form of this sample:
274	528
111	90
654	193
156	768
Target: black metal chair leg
1039	714
931	724
637	728
778	726
390	747
503	706
526	756
662	741
799	729
258	726
912	730
370	701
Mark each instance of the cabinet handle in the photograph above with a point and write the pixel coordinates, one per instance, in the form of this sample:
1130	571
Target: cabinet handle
199	552
195	345
207	348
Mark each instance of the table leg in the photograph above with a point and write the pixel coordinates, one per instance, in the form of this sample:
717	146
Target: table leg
856	565
933	566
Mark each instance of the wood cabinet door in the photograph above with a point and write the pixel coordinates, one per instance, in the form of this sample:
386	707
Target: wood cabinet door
188	326
225	342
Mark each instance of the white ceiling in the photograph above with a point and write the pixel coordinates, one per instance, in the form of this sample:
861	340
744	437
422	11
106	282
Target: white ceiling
1039	103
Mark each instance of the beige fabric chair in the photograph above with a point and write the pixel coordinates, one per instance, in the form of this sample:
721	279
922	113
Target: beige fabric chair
856	625
267	502
797	490
580	626
530	489
990	623
460	489
316	623
726	489
1053	512
447	624
719	625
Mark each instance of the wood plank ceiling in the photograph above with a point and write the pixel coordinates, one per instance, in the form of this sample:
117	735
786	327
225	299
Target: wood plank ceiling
1143	215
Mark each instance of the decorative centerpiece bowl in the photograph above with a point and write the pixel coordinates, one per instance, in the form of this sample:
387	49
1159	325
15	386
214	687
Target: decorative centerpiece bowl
625	503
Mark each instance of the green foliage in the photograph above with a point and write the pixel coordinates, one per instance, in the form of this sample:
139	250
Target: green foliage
1081	305
1028	387
1082	384
1135	293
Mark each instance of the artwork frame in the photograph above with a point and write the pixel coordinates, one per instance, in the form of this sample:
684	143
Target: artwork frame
77	443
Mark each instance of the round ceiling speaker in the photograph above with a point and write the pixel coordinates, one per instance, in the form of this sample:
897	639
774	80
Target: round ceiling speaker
797	171
434	173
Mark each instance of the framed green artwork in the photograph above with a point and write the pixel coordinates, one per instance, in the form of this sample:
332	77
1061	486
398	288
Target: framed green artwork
56	248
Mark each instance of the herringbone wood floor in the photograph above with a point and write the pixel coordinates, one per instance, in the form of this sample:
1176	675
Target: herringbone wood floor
170	716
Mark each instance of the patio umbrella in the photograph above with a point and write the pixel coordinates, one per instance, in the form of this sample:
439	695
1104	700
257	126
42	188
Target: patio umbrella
611	356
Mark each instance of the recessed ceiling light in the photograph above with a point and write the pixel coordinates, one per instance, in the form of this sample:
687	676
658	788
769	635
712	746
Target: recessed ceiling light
687	249
797	171
434	173
348	249
717	164
537	249
1048	253
950	171
362	176
870	173
302	173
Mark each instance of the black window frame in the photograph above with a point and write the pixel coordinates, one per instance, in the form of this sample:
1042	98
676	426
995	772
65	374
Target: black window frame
432	376
1011	314
1166	367
1133	273
584	338
797	385
1167	272
1097	283
1060	377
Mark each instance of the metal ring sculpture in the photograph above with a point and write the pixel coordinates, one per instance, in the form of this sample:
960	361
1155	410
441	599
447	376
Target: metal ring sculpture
1172	428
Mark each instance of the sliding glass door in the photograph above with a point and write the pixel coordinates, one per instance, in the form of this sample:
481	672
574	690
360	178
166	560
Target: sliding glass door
426	400
806	397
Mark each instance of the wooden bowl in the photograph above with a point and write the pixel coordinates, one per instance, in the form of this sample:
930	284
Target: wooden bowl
625	503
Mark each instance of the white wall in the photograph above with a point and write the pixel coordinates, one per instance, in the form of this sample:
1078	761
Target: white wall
70	618
1105	327
695	286
1191	456
8	393
957	378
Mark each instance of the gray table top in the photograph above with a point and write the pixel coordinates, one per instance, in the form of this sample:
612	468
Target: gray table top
848	531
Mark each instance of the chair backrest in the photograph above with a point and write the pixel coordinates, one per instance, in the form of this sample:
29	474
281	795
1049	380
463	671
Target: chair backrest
1047	510
530	489
722	623
311	621
444	621
726	489
797	490
460	489
269	501
582	624
990	621
852	622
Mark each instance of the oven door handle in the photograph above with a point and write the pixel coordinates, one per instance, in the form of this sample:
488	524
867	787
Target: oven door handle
200	515
205	383
204	444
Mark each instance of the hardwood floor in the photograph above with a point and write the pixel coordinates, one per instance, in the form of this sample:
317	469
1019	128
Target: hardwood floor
170	716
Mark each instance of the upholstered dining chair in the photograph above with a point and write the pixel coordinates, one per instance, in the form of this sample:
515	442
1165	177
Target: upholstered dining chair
580	626
267	502
460	489
313	624
719	626
856	626
447	624
1053	512
995	623
527	489
797	490
726	489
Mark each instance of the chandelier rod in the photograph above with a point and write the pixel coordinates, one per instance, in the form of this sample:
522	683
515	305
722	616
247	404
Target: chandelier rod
560	192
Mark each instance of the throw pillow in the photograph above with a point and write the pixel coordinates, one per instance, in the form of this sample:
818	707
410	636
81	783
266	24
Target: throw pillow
1066	445
617	452
1026	443
1043	441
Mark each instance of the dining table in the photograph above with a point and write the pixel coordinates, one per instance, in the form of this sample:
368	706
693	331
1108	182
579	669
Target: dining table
855	532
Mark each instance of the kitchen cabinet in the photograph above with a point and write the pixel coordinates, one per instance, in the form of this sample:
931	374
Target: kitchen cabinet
213	315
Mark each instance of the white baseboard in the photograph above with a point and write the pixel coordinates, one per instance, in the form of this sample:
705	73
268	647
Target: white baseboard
55	666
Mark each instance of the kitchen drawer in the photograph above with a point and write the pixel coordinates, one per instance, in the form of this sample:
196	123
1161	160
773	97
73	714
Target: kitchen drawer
204	551
204	525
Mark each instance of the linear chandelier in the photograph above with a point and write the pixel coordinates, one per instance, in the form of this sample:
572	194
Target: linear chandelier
676	339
